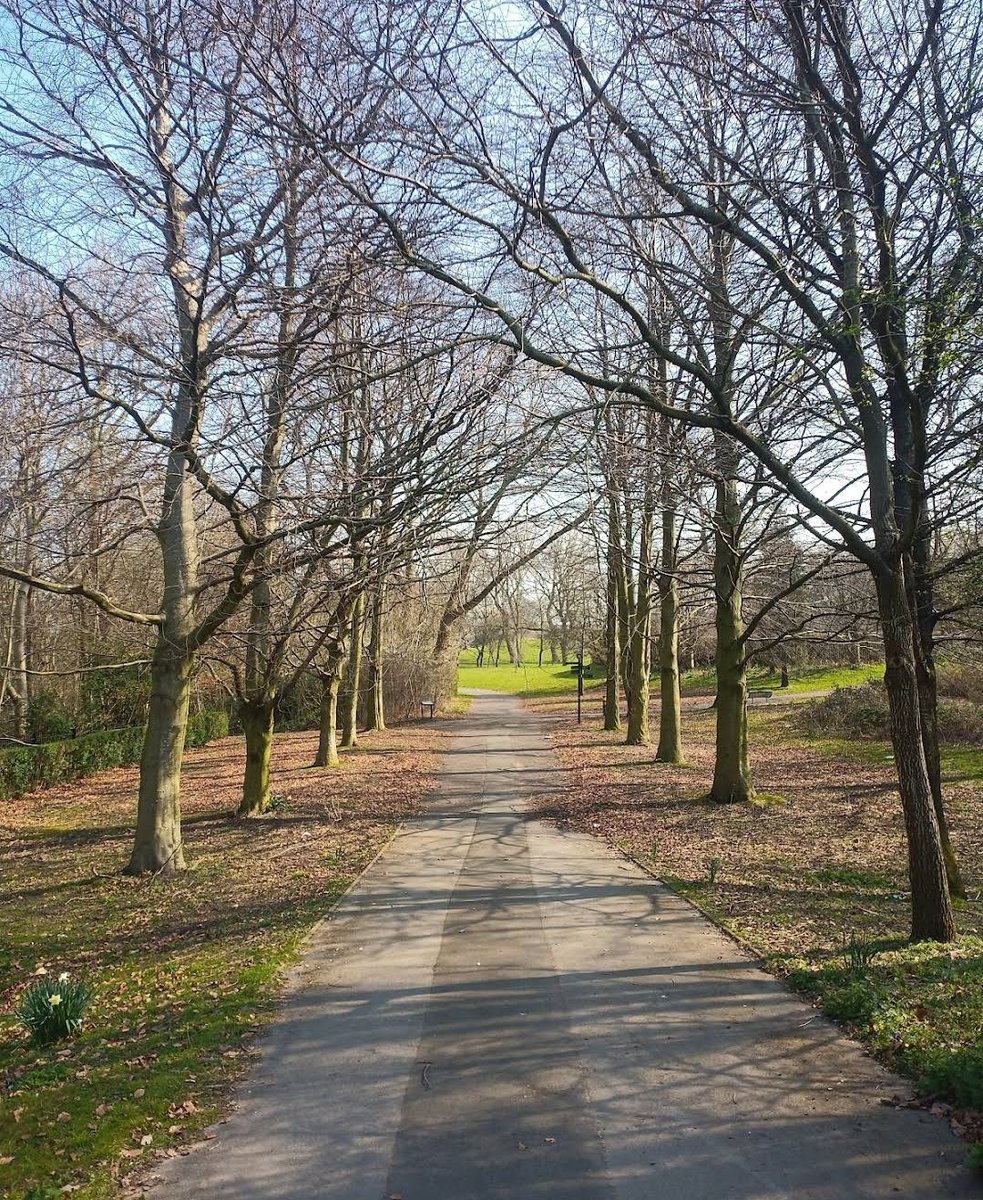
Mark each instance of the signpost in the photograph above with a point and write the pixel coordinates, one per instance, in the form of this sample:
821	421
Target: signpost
578	666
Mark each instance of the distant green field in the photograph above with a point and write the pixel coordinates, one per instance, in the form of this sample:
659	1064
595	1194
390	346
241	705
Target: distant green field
801	679
528	678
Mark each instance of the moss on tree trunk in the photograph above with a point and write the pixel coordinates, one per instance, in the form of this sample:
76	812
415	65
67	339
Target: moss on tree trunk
327	745
157	845
931	906
257	719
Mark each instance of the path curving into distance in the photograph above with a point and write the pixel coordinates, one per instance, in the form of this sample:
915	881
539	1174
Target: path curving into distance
503	1010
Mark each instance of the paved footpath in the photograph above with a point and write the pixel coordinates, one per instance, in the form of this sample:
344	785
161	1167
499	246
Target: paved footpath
503	1010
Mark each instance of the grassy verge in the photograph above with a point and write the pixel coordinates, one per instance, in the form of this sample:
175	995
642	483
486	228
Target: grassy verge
182	972
815	881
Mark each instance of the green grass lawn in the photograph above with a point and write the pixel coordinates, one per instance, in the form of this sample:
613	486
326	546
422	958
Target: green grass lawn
526	679
529	679
801	679
182	971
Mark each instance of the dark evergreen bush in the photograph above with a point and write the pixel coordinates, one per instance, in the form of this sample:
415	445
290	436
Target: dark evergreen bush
25	767
48	720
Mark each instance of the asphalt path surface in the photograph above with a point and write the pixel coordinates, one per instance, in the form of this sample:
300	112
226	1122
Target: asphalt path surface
501	1009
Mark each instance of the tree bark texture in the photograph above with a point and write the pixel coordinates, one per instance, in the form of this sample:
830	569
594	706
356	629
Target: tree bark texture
375	698
670	749
922	600
257	719
615	584
157	844
353	676
931	906
327	745
640	637
731	770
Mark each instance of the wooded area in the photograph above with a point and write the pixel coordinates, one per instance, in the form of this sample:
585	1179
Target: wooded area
344	345
323	328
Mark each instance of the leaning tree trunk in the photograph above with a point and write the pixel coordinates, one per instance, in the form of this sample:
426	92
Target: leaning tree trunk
922	600
257	718
931	906
731	770
670	716
929	713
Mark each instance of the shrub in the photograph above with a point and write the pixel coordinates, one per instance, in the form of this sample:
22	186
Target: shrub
52	1008
961	721
207	726
26	767
863	712
113	697
47	718
961	681
849	711
300	707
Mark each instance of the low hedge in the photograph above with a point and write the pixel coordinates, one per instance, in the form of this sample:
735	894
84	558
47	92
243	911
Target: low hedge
23	768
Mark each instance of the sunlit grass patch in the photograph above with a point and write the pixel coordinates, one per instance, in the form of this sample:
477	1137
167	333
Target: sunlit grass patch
182	972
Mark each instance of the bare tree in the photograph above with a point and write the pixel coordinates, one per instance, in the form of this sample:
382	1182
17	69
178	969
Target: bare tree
861	242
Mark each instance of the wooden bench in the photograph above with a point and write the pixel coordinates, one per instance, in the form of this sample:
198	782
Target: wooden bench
426	705
759	694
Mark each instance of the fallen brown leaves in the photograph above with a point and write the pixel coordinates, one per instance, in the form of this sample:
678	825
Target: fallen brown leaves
76	836
775	866
182	970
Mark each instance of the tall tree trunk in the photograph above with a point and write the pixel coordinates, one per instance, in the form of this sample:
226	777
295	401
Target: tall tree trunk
20	679
353	676
670	715
922	599
257	703
929	712
612	685
931	906
157	843
327	745
640	643
257	718
731	770
445	655
375	706
639	671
